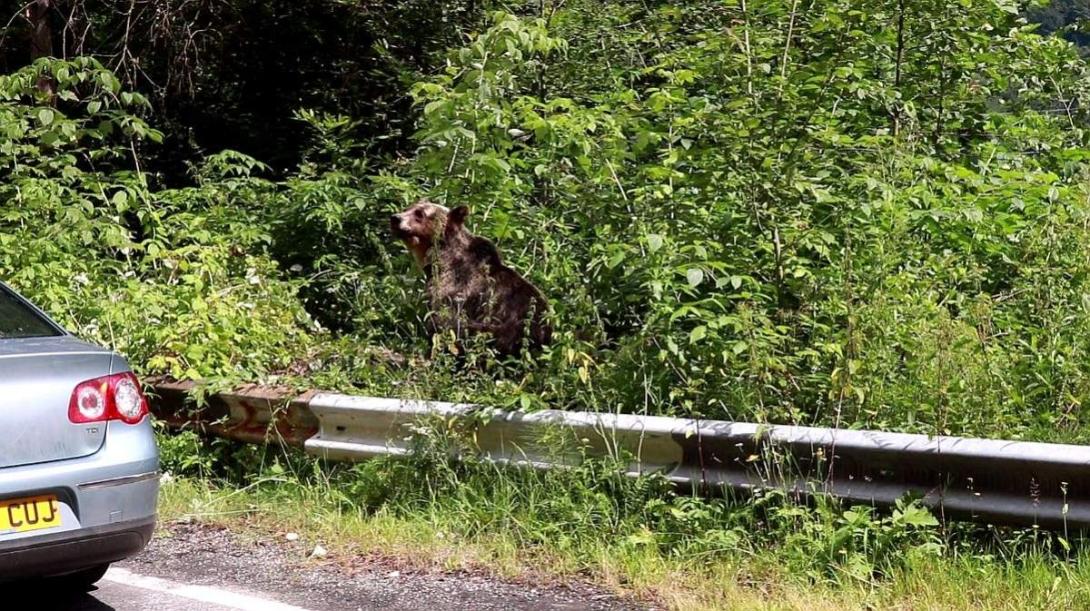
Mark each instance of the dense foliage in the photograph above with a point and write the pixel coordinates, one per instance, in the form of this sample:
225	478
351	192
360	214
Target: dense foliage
230	73
176	279
858	213
1065	17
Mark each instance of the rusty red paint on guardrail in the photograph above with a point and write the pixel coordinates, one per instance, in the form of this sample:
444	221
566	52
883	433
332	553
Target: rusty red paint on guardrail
250	413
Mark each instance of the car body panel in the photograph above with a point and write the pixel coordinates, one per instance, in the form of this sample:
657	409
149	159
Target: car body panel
36	382
105	475
60	345
83	485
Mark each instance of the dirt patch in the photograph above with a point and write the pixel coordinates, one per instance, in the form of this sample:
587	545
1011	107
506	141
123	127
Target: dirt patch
211	555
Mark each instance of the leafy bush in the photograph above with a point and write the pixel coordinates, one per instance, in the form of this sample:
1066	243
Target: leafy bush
758	214
178	280
845	215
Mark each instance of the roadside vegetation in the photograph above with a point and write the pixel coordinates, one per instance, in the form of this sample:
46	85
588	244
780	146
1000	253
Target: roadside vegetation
636	537
860	214
851	214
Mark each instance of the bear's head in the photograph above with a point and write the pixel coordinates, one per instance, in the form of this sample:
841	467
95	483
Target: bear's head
424	224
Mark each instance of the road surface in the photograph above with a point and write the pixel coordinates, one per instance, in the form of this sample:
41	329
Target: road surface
190	567
122	589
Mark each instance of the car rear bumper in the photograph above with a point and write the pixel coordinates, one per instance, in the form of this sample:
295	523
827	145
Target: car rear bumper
64	552
107	504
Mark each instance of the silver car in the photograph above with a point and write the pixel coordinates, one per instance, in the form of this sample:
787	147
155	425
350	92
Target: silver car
79	470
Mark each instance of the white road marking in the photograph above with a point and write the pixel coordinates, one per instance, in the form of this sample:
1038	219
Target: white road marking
206	594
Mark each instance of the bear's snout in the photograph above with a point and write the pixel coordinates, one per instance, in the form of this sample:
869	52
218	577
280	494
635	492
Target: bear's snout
395	225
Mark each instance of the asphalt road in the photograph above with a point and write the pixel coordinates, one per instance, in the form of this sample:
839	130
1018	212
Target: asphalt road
122	589
198	568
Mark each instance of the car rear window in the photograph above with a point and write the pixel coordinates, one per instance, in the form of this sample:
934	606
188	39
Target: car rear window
17	319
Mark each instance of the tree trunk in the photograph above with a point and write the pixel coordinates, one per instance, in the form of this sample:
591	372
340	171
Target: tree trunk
41	39
897	66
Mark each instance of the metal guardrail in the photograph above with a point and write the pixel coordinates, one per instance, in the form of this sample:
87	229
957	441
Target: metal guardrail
991	481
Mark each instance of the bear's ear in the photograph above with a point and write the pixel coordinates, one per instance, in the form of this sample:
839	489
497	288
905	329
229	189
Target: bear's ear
458	216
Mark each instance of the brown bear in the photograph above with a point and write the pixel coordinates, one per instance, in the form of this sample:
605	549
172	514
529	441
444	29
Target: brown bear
470	289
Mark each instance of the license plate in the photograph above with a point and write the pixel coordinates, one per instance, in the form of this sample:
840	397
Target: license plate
21	515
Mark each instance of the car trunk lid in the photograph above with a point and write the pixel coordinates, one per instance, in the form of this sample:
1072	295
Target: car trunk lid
37	377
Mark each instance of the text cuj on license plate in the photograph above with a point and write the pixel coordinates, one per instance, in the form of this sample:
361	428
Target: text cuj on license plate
29	513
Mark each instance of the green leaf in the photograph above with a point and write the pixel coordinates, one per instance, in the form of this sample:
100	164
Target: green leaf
697	334
45	116
672	346
915	515
695	276
643	537
654	242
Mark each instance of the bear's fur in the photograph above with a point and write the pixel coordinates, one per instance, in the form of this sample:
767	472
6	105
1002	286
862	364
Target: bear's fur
470	289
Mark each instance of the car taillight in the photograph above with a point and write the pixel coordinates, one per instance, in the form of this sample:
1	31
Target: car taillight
114	397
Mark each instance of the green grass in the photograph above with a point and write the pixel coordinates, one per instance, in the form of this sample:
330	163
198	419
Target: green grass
638	538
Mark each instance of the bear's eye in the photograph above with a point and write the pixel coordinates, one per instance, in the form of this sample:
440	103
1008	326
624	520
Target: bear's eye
419	214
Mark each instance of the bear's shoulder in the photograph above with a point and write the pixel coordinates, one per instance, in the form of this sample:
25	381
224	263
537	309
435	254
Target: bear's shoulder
484	251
